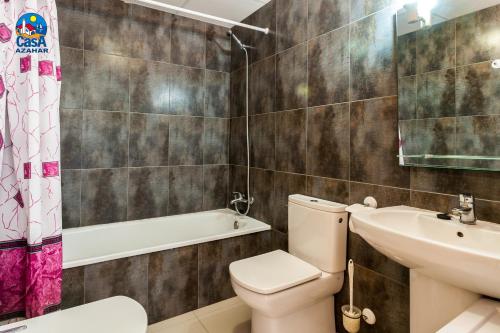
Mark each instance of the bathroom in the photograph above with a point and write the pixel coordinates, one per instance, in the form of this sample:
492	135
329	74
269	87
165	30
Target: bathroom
171	120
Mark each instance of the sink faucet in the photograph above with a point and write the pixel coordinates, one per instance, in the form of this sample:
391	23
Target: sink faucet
465	209
238	197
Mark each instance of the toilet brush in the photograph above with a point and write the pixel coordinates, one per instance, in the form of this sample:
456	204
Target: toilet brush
350	270
351	315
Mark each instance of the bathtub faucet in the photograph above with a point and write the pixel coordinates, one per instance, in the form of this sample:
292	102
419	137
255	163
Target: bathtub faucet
238	197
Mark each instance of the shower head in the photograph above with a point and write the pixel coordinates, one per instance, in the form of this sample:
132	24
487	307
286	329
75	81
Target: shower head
240	44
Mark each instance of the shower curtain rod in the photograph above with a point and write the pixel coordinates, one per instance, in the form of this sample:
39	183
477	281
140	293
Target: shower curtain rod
163	5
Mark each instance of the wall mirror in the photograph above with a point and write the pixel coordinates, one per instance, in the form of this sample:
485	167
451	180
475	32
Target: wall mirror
449	83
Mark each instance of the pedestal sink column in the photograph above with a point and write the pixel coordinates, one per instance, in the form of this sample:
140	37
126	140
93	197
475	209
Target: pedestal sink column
434	304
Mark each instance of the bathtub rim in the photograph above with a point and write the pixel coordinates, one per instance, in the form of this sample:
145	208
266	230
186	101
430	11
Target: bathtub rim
163	247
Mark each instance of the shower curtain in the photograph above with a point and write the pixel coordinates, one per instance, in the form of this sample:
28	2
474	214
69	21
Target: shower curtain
30	183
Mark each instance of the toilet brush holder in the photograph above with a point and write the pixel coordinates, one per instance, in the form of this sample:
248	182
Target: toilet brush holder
351	318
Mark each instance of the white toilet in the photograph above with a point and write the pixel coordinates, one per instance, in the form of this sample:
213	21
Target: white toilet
293	293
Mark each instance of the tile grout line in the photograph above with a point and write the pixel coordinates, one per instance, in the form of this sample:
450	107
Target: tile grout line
456	88
145	167
325	105
274	108
306	162
82	132
312	175
383	276
84	287
203	147
349	186
198	259
128	140
200	322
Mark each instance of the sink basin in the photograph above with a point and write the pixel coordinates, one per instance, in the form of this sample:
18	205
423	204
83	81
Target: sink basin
467	257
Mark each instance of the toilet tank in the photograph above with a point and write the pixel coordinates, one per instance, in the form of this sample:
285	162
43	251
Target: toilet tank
317	232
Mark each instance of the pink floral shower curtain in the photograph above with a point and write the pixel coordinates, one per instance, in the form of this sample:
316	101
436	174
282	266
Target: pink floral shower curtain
30	183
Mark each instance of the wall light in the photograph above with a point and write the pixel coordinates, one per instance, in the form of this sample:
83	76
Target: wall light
424	8
412	13
420	11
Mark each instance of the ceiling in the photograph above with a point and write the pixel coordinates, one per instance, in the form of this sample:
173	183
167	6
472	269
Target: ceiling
235	10
444	10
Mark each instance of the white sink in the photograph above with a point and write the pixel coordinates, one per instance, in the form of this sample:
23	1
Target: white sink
467	257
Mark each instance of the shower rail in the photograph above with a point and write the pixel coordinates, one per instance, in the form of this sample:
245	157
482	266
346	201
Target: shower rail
157	4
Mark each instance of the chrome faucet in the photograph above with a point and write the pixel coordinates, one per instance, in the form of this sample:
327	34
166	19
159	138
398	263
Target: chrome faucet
240	198
465	209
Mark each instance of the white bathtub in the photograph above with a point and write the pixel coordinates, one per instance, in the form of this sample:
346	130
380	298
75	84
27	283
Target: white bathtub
90	245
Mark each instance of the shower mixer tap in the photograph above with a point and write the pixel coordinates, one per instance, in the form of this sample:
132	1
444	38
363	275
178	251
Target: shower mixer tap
239	197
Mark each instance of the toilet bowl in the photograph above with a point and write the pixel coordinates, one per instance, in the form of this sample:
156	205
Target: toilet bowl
293	292
295	309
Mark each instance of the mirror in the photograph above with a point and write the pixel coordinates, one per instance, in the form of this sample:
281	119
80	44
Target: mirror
449	83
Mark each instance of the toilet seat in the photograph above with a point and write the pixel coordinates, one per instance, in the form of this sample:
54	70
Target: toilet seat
272	272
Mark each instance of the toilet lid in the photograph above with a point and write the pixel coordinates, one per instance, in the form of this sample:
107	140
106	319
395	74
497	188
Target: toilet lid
272	272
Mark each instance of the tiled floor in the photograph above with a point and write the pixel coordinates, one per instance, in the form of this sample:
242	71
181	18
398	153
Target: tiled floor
230	316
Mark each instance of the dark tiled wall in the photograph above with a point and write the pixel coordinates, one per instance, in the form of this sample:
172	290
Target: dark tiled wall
449	92
167	283
145	113
324	122
145	127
